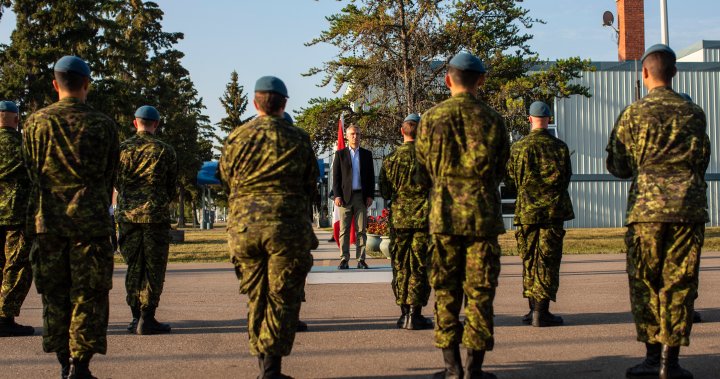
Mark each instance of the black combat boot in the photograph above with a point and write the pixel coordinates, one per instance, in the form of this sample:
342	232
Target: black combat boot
527	319
149	325
696	317
404	311
453	364
80	369
272	367
542	316
64	360
132	326
9	328
261	365
473	366
650	367
416	321
669	366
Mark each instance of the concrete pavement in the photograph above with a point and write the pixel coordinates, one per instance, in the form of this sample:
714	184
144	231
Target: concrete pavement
352	332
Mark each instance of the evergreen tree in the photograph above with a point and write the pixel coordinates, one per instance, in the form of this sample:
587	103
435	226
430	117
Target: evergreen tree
393	54
235	102
132	60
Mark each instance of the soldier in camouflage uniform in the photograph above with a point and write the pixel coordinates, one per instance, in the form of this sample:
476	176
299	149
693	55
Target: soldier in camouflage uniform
269	169
146	184
666	214
15	270
409	224
539	170
462	147
71	152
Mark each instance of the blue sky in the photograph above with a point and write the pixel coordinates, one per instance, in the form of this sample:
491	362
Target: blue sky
266	37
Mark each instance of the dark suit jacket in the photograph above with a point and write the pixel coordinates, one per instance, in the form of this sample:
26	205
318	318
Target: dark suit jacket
342	174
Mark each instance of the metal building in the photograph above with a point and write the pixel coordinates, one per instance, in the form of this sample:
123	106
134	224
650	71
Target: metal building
600	199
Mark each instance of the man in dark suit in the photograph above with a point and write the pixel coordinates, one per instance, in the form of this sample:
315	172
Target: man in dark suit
354	188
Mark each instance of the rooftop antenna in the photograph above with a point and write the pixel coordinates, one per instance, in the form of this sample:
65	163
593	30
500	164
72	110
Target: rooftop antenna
608	20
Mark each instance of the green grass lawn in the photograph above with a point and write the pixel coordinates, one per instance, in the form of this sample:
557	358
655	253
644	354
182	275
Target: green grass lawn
211	245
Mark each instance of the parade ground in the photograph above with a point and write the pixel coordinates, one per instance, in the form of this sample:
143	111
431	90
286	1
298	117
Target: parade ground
352	333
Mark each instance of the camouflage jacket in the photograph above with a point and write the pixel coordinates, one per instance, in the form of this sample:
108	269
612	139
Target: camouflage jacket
146	181
71	152
661	143
13	178
269	170
539	170
399	184
462	147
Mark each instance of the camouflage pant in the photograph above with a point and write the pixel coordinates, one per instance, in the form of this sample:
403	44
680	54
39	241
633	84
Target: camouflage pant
540	246
469	266
663	260
410	258
144	248
16	275
74	277
271	263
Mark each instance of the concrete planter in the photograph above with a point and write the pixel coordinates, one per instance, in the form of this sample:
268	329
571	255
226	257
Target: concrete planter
385	246
373	243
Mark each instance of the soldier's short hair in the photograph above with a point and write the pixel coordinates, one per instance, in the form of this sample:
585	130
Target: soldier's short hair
145	122
69	81
409	128
661	65
270	102
465	78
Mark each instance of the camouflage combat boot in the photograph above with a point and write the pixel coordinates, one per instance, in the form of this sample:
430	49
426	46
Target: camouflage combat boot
527	319
453	364
542	316
473	366
416	321
272	367
404	311
650	367
9	328
132	326
149	325
669	365
80	369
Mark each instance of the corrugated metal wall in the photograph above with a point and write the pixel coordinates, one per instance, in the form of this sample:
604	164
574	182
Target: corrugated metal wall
585	124
712	55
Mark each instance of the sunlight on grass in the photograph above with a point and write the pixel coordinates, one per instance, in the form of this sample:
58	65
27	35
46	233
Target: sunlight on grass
211	245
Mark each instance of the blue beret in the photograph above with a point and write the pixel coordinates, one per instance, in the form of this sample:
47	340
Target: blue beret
271	84
412	117
539	109
147	112
658	48
467	62
287	117
686	97
71	63
8	106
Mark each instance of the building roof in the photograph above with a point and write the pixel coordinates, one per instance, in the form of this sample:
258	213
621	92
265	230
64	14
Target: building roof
697	46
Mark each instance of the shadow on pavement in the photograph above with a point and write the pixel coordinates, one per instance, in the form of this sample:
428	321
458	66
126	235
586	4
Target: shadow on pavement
192	327
702	366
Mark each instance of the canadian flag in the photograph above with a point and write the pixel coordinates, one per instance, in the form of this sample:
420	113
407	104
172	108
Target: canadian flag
336	211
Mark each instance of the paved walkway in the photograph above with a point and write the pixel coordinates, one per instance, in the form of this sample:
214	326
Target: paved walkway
352	332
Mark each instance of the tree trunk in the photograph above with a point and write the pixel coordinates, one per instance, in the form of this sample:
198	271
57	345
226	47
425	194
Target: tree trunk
194	214
181	207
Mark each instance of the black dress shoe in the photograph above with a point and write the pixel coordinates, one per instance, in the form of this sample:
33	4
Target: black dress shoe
343	265
362	265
